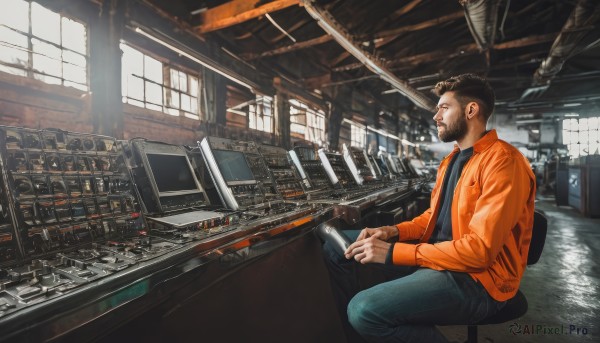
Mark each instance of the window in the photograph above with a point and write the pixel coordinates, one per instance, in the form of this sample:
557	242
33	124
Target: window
147	82
38	43
307	122
260	114
358	135
581	136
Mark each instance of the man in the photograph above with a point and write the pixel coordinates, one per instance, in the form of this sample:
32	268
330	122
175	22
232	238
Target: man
472	241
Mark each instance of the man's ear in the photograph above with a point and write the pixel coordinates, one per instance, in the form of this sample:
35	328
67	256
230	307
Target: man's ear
472	109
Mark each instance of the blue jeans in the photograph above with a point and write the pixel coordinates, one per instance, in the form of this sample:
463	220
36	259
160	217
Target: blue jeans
384	303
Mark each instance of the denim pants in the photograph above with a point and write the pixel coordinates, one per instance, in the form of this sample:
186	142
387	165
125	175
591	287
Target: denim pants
384	303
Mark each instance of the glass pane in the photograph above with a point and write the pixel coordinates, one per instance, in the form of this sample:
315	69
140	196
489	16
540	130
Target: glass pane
135	88
46	49
260	125
194	103
566	137
74	58
45	24
74	73
13	55
251	120
46	65
594	136
15	14
297	128
175	99
268	127
267	110
74	36
154	93
194	86
133	61
584	137
153	69
186	103
574	136
183	86
174	79
12	38
593	123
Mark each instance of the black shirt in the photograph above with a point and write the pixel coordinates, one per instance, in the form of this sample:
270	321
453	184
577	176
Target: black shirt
443	226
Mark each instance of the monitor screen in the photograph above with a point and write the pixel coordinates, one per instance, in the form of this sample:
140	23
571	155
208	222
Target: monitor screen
306	154
233	165
172	173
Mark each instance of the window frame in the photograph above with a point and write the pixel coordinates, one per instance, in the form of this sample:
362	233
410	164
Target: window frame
30	70
313	126
167	105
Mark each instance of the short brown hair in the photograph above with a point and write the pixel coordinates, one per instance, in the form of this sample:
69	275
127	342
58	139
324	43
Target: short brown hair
469	87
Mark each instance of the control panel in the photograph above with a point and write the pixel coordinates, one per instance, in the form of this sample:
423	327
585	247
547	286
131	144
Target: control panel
62	190
309	166
362	162
338	171
163	175
287	180
239	172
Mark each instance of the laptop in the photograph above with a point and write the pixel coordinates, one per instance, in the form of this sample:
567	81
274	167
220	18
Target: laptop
188	218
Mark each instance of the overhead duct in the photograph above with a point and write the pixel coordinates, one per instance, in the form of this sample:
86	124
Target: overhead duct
330	25
581	21
482	19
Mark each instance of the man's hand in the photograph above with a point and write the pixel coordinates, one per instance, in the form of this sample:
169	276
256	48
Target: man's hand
368	250
383	233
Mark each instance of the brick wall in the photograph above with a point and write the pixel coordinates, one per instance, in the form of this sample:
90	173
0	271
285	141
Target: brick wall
31	103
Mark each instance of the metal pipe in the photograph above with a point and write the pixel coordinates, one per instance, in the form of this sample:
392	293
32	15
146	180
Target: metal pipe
482	19
330	26
581	21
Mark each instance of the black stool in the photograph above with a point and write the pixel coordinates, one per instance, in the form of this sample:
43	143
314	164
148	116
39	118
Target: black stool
517	306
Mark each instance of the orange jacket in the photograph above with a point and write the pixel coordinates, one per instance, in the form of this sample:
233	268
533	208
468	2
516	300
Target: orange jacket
492	218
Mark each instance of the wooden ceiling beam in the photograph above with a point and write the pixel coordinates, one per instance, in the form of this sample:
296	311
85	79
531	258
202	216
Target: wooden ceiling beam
421	25
292	47
384	37
405	9
238	11
464	50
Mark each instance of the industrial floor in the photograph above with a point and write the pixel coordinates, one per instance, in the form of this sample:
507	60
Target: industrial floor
562	289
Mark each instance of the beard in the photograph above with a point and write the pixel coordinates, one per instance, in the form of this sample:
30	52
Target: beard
454	131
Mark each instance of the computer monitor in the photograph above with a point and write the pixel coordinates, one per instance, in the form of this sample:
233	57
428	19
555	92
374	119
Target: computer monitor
168	175
233	166
172	174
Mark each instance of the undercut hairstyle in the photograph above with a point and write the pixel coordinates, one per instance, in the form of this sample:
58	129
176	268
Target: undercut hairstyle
468	88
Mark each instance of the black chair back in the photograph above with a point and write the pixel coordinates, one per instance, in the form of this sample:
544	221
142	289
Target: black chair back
538	237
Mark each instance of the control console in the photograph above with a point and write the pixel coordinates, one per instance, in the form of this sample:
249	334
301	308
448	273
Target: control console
239	172
60	191
287	180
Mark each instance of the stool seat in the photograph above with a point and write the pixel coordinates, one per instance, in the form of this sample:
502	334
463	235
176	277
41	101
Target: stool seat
515	307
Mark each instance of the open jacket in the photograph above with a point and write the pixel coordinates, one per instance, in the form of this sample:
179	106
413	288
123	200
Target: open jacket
492	219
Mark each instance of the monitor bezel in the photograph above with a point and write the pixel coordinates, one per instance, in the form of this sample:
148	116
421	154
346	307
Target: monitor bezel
144	147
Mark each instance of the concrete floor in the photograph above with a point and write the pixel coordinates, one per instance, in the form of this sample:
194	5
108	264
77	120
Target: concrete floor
562	289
